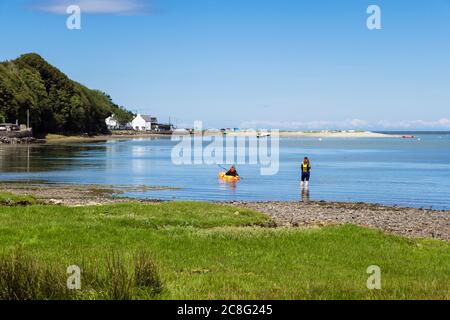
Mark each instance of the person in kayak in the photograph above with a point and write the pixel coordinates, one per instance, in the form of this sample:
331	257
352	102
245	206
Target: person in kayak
306	173
232	172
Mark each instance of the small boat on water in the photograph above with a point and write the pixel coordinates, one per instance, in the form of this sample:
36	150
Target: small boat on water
223	176
408	137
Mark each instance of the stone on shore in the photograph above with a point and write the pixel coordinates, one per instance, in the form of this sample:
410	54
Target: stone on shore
410	222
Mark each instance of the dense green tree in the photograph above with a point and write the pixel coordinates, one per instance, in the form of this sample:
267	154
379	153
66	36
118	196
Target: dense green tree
56	103
122	115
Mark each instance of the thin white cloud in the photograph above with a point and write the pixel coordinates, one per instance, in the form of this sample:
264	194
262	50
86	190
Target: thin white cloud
306	125
441	124
119	7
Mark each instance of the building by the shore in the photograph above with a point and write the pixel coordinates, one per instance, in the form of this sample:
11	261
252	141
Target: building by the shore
9	127
11	133
144	123
141	123
113	124
165	128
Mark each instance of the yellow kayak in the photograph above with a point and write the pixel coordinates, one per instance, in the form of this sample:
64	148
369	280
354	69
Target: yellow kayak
224	177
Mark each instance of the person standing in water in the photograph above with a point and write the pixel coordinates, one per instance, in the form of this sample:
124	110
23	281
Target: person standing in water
306	173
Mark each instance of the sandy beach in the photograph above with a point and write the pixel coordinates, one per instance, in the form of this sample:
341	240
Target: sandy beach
303	134
319	134
55	139
339	134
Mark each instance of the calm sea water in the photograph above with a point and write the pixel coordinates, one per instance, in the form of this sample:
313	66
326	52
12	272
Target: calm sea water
406	172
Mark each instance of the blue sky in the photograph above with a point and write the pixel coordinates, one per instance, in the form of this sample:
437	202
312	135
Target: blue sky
266	63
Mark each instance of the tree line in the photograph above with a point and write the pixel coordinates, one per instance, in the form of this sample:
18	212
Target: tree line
56	104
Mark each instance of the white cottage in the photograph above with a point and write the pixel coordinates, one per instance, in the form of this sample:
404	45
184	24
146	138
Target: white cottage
143	123
112	123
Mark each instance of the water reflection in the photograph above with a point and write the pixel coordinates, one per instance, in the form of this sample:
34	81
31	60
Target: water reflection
306	197
40	158
227	186
138	160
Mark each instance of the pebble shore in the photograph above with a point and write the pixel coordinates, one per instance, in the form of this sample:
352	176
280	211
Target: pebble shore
409	222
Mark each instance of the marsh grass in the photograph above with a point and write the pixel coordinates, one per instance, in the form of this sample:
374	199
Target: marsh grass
183	250
146	274
25	278
120	279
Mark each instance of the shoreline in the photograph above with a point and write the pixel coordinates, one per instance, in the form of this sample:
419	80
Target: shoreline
407	222
324	134
365	134
54	139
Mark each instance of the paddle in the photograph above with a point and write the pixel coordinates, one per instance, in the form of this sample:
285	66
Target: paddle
226	170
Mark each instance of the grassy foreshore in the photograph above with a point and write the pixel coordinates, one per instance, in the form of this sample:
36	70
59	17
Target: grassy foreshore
410	222
207	251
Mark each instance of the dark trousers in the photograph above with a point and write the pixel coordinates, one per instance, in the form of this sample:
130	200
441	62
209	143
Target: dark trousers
306	176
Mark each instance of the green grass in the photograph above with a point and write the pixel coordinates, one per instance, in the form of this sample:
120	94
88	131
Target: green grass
9	199
206	251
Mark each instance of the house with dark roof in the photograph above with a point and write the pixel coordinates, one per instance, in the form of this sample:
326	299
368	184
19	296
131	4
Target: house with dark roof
144	123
